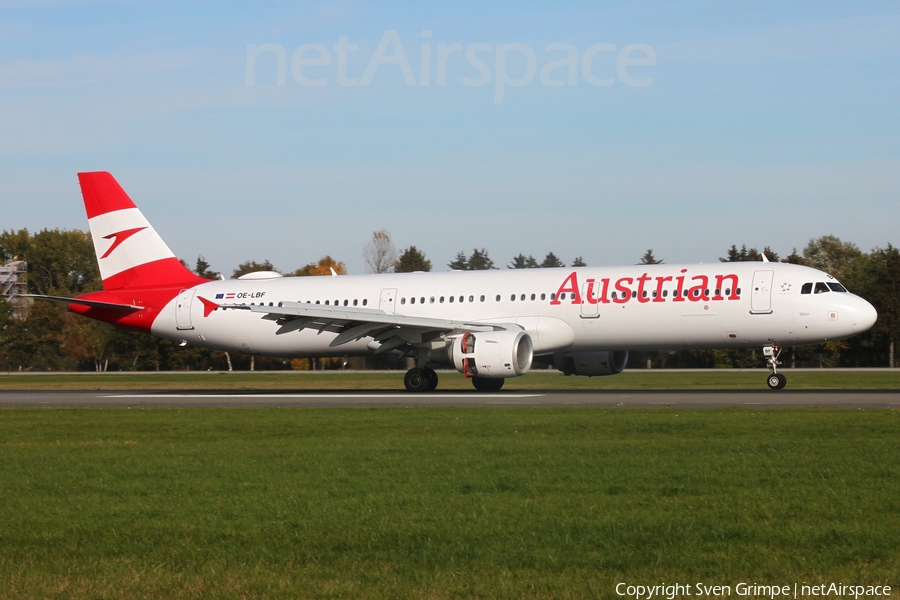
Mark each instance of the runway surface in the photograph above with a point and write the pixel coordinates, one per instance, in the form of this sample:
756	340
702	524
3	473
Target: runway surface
344	399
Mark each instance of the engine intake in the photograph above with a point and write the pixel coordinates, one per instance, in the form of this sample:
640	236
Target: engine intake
493	354
592	364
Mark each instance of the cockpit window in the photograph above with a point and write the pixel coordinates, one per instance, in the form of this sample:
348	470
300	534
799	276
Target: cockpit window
821	288
807	288
836	287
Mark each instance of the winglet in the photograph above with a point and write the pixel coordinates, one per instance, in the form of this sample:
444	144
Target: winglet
765	258
333	272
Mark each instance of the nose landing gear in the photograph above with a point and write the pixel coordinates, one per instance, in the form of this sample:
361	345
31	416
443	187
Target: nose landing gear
775	380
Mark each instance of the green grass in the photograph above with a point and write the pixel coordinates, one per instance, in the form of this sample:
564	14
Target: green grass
441	502
536	380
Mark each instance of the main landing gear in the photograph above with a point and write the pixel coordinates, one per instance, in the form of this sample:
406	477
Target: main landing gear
775	380
424	379
420	379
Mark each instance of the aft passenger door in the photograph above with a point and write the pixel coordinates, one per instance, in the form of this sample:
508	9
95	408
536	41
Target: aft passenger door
761	292
388	298
183	310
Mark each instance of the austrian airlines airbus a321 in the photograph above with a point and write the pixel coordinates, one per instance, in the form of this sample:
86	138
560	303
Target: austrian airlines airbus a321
488	325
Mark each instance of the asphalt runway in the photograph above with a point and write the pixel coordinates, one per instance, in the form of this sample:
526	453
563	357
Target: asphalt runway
344	399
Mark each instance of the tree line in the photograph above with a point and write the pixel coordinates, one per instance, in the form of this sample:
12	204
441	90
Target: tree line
63	263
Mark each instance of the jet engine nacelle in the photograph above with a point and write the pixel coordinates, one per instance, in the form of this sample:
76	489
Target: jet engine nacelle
492	354
592	364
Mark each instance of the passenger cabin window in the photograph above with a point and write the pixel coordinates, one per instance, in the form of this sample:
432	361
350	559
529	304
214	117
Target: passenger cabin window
821	288
402	300
482	298
543	296
498	297
365	301
807	288
836	287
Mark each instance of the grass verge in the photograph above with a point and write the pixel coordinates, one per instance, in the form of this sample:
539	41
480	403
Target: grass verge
441	502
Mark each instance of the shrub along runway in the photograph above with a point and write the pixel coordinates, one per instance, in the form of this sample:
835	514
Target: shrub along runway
442	502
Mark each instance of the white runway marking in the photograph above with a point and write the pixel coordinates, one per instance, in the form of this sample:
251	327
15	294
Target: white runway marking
332	396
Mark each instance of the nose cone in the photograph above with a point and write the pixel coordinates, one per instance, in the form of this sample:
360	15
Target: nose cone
864	316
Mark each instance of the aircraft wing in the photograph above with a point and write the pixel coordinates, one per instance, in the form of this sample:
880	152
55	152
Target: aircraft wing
354	323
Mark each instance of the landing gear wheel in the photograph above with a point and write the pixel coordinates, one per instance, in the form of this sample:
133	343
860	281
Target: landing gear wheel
776	381
416	380
432	379
487	384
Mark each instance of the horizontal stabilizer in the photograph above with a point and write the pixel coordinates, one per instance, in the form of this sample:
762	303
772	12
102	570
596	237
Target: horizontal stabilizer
126	308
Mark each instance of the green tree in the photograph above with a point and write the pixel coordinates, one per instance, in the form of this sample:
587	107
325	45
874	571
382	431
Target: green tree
579	262
649	259
411	260
460	263
876	277
828	253
251	266
552	261
203	269
794	258
748	255
523	262
478	261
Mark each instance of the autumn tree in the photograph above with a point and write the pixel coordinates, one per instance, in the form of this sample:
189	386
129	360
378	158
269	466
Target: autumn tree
379	253
411	260
323	267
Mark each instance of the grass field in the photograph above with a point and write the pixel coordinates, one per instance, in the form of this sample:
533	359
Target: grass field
441	502
536	380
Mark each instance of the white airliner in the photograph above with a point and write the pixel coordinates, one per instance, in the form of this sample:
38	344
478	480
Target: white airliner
489	325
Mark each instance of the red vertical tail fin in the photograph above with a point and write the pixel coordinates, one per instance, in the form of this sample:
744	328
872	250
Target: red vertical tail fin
129	251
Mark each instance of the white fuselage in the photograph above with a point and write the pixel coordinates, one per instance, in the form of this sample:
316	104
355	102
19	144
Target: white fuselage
720	305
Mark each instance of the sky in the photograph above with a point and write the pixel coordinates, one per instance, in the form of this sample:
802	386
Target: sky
291	130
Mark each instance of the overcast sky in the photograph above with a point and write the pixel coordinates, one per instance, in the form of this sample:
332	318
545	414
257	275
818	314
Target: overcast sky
683	127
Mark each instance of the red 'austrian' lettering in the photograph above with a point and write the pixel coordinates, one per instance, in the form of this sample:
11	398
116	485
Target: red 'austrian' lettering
696	289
